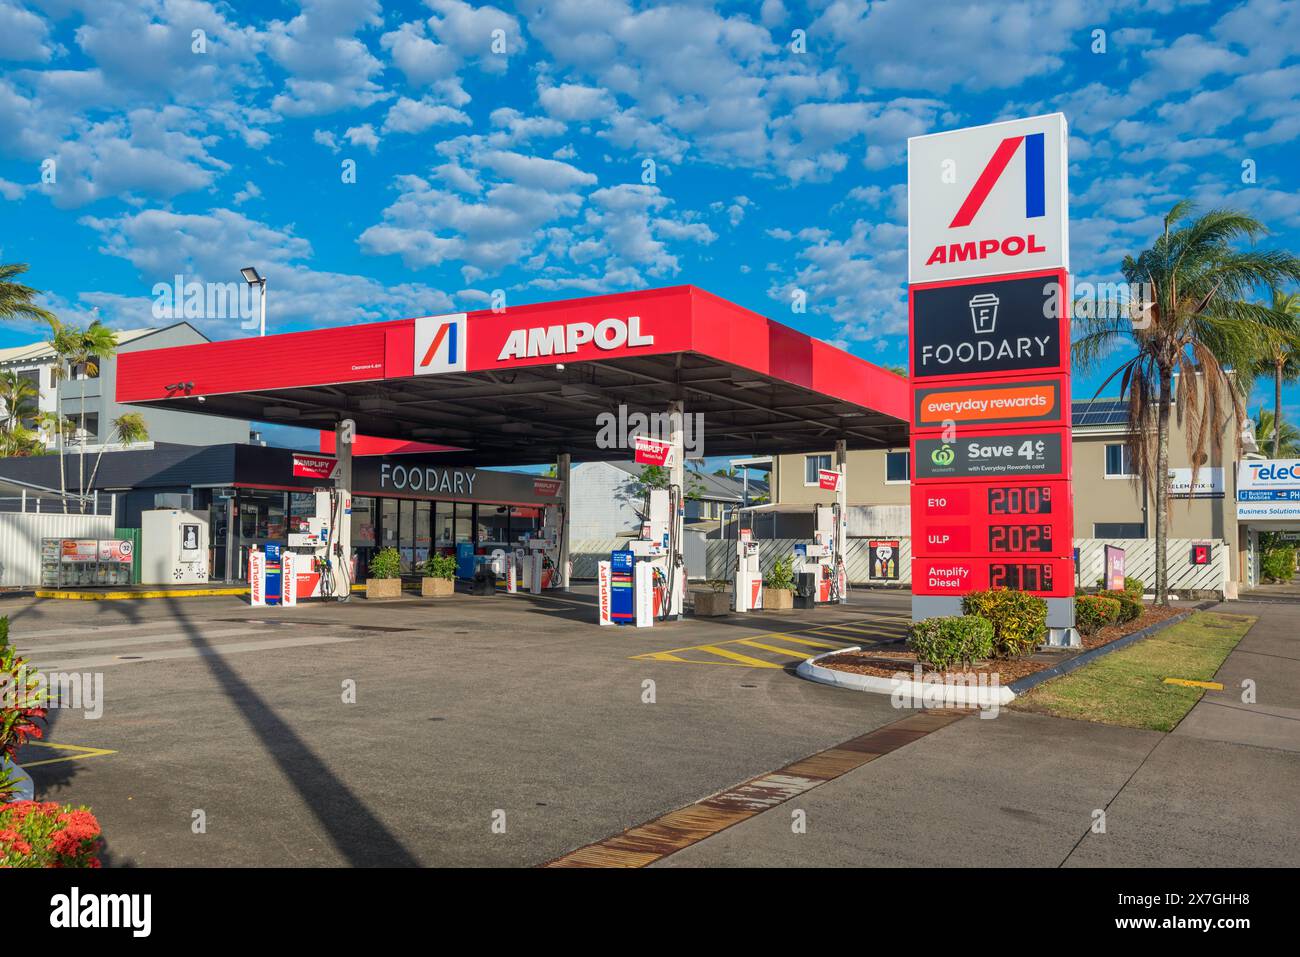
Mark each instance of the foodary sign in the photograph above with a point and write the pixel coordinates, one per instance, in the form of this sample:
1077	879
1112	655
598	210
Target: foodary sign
989	326
987	200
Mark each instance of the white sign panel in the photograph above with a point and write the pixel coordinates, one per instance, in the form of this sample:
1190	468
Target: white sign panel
440	344
988	200
1268	489
1209	483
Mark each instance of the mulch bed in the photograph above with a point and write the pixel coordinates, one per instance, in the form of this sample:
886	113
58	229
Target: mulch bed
886	664
1151	614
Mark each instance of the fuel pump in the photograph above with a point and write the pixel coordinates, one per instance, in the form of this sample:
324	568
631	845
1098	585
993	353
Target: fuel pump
536	558
313	564
748	592
636	585
819	572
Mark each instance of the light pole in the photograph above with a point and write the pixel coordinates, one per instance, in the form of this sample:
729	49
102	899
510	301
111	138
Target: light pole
254	278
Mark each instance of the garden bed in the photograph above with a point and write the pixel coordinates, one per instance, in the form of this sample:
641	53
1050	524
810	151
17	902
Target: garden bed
886	664
1151	615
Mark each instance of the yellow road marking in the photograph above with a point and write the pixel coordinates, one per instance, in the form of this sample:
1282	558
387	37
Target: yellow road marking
806	641
156	593
1188	683
662	656
82	754
736	656
802	655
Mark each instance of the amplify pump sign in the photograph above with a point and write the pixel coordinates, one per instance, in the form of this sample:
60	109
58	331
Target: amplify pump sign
988	200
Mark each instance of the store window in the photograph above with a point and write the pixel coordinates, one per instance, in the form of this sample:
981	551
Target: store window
494	526
524	522
444	527
898	466
1119	530
464	522
812	464
1119	461
388	527
423	540
363	522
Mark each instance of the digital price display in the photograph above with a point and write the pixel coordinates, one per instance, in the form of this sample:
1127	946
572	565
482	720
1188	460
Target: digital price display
1021	576
1001	520
1047	578
1020	499
1020	538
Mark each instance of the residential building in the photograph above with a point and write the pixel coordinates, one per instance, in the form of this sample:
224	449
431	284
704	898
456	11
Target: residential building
608	498
37	363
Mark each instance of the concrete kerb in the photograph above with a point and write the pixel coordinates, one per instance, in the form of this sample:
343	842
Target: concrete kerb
914	690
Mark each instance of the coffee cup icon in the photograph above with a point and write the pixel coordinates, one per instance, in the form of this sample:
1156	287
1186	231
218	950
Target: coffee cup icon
984	311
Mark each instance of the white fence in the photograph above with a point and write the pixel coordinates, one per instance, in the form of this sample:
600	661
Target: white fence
1139	559
21	534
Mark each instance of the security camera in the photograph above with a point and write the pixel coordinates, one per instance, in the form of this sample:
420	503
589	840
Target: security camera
203	398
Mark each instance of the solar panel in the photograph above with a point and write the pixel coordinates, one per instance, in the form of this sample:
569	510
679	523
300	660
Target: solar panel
1100	412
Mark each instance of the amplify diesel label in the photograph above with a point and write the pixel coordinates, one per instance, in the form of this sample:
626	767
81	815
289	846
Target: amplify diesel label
989	456
988	327
1038	401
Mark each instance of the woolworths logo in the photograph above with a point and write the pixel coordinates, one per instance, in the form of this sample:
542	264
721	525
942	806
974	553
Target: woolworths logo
943	455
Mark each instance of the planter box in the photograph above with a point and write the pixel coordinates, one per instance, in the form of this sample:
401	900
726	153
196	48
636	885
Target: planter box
384	588
712	604
437	587
778	599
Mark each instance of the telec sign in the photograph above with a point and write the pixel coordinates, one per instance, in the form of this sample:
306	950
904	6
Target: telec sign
987	200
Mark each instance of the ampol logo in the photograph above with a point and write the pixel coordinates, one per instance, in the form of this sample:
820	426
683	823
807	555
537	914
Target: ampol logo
440	344
1035	179
988	199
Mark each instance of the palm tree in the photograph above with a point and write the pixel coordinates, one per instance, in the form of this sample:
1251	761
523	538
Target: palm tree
1279	357
81	351
1195	326
19	396
20	441
60	428
1286	441
127	428
16	300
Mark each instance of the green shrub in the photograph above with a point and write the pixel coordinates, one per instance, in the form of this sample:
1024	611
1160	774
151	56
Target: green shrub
1019	619
387	563
781	576
1133	586
1130	607
1277	564
439	566
1094	612
943	642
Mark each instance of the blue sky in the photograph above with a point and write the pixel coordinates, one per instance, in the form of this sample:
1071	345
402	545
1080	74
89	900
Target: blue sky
505	147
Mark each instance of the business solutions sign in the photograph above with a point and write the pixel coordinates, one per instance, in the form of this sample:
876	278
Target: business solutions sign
987	200
1268	489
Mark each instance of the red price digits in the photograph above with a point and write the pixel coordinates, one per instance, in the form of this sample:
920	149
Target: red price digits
1020	538
1020	500
1032	577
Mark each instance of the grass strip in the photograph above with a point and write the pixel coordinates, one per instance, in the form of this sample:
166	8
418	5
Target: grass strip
1127	688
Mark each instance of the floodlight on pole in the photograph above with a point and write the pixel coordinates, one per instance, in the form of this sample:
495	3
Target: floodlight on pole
254	278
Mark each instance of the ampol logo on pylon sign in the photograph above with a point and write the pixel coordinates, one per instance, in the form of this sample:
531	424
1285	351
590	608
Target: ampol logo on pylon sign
988	200
440	344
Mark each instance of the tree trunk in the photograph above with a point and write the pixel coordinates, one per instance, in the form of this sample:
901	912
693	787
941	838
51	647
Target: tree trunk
1162	489
1277	409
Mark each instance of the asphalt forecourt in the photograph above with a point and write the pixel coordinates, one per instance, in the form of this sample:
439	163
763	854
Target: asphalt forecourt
471	731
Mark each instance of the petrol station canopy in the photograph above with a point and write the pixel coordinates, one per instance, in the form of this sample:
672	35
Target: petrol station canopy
521	385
